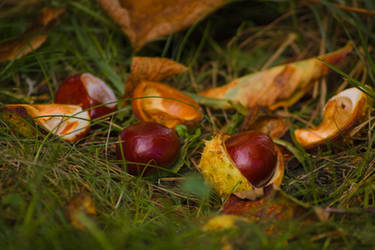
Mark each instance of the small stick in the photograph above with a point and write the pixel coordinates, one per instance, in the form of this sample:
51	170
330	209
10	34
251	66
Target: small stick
348	8
289	40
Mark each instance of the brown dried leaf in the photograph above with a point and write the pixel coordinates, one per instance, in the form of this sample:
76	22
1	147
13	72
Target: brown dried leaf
81	203
32	38
151	69
146	20
278	86
275	205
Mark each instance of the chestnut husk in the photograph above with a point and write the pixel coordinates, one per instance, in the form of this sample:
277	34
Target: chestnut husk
165	105
68	122
341	113
219	170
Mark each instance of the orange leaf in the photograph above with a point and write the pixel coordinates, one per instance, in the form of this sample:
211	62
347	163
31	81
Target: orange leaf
32	38
145	20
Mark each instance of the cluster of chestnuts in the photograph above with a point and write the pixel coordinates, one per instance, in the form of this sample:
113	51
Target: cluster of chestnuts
242	163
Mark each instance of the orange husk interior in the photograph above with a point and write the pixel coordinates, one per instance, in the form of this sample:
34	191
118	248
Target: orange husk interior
340	114
170	107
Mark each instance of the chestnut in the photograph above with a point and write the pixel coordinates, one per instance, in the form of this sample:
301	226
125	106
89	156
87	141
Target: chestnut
147	144
243	164
254	155
87	91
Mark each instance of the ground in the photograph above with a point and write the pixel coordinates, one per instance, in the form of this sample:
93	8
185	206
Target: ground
39	176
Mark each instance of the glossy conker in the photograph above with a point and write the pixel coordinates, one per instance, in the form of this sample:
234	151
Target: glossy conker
148	143
246	165
87	91
254	155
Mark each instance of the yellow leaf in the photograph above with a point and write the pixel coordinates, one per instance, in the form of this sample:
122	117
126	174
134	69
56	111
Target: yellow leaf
279	86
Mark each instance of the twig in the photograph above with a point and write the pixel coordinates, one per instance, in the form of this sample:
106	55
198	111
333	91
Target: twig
289	40
348	8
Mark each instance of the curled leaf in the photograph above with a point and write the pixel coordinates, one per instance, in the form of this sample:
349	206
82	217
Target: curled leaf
32	38
146	20
68	122
81	203
278	86
341	113
151	69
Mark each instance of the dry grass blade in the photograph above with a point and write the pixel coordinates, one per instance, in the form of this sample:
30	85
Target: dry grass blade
348	8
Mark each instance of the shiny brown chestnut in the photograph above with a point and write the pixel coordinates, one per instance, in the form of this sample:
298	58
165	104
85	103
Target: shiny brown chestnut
87	91
147	144
254	155
244	164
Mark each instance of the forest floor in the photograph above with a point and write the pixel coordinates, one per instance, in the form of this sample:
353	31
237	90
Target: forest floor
38	177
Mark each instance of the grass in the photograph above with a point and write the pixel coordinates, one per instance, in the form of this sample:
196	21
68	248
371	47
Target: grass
39	177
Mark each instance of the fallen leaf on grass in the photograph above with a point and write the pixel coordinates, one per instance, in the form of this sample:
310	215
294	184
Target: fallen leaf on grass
278	86
145	20
275	205
238	214
81	203
32	38
68	122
